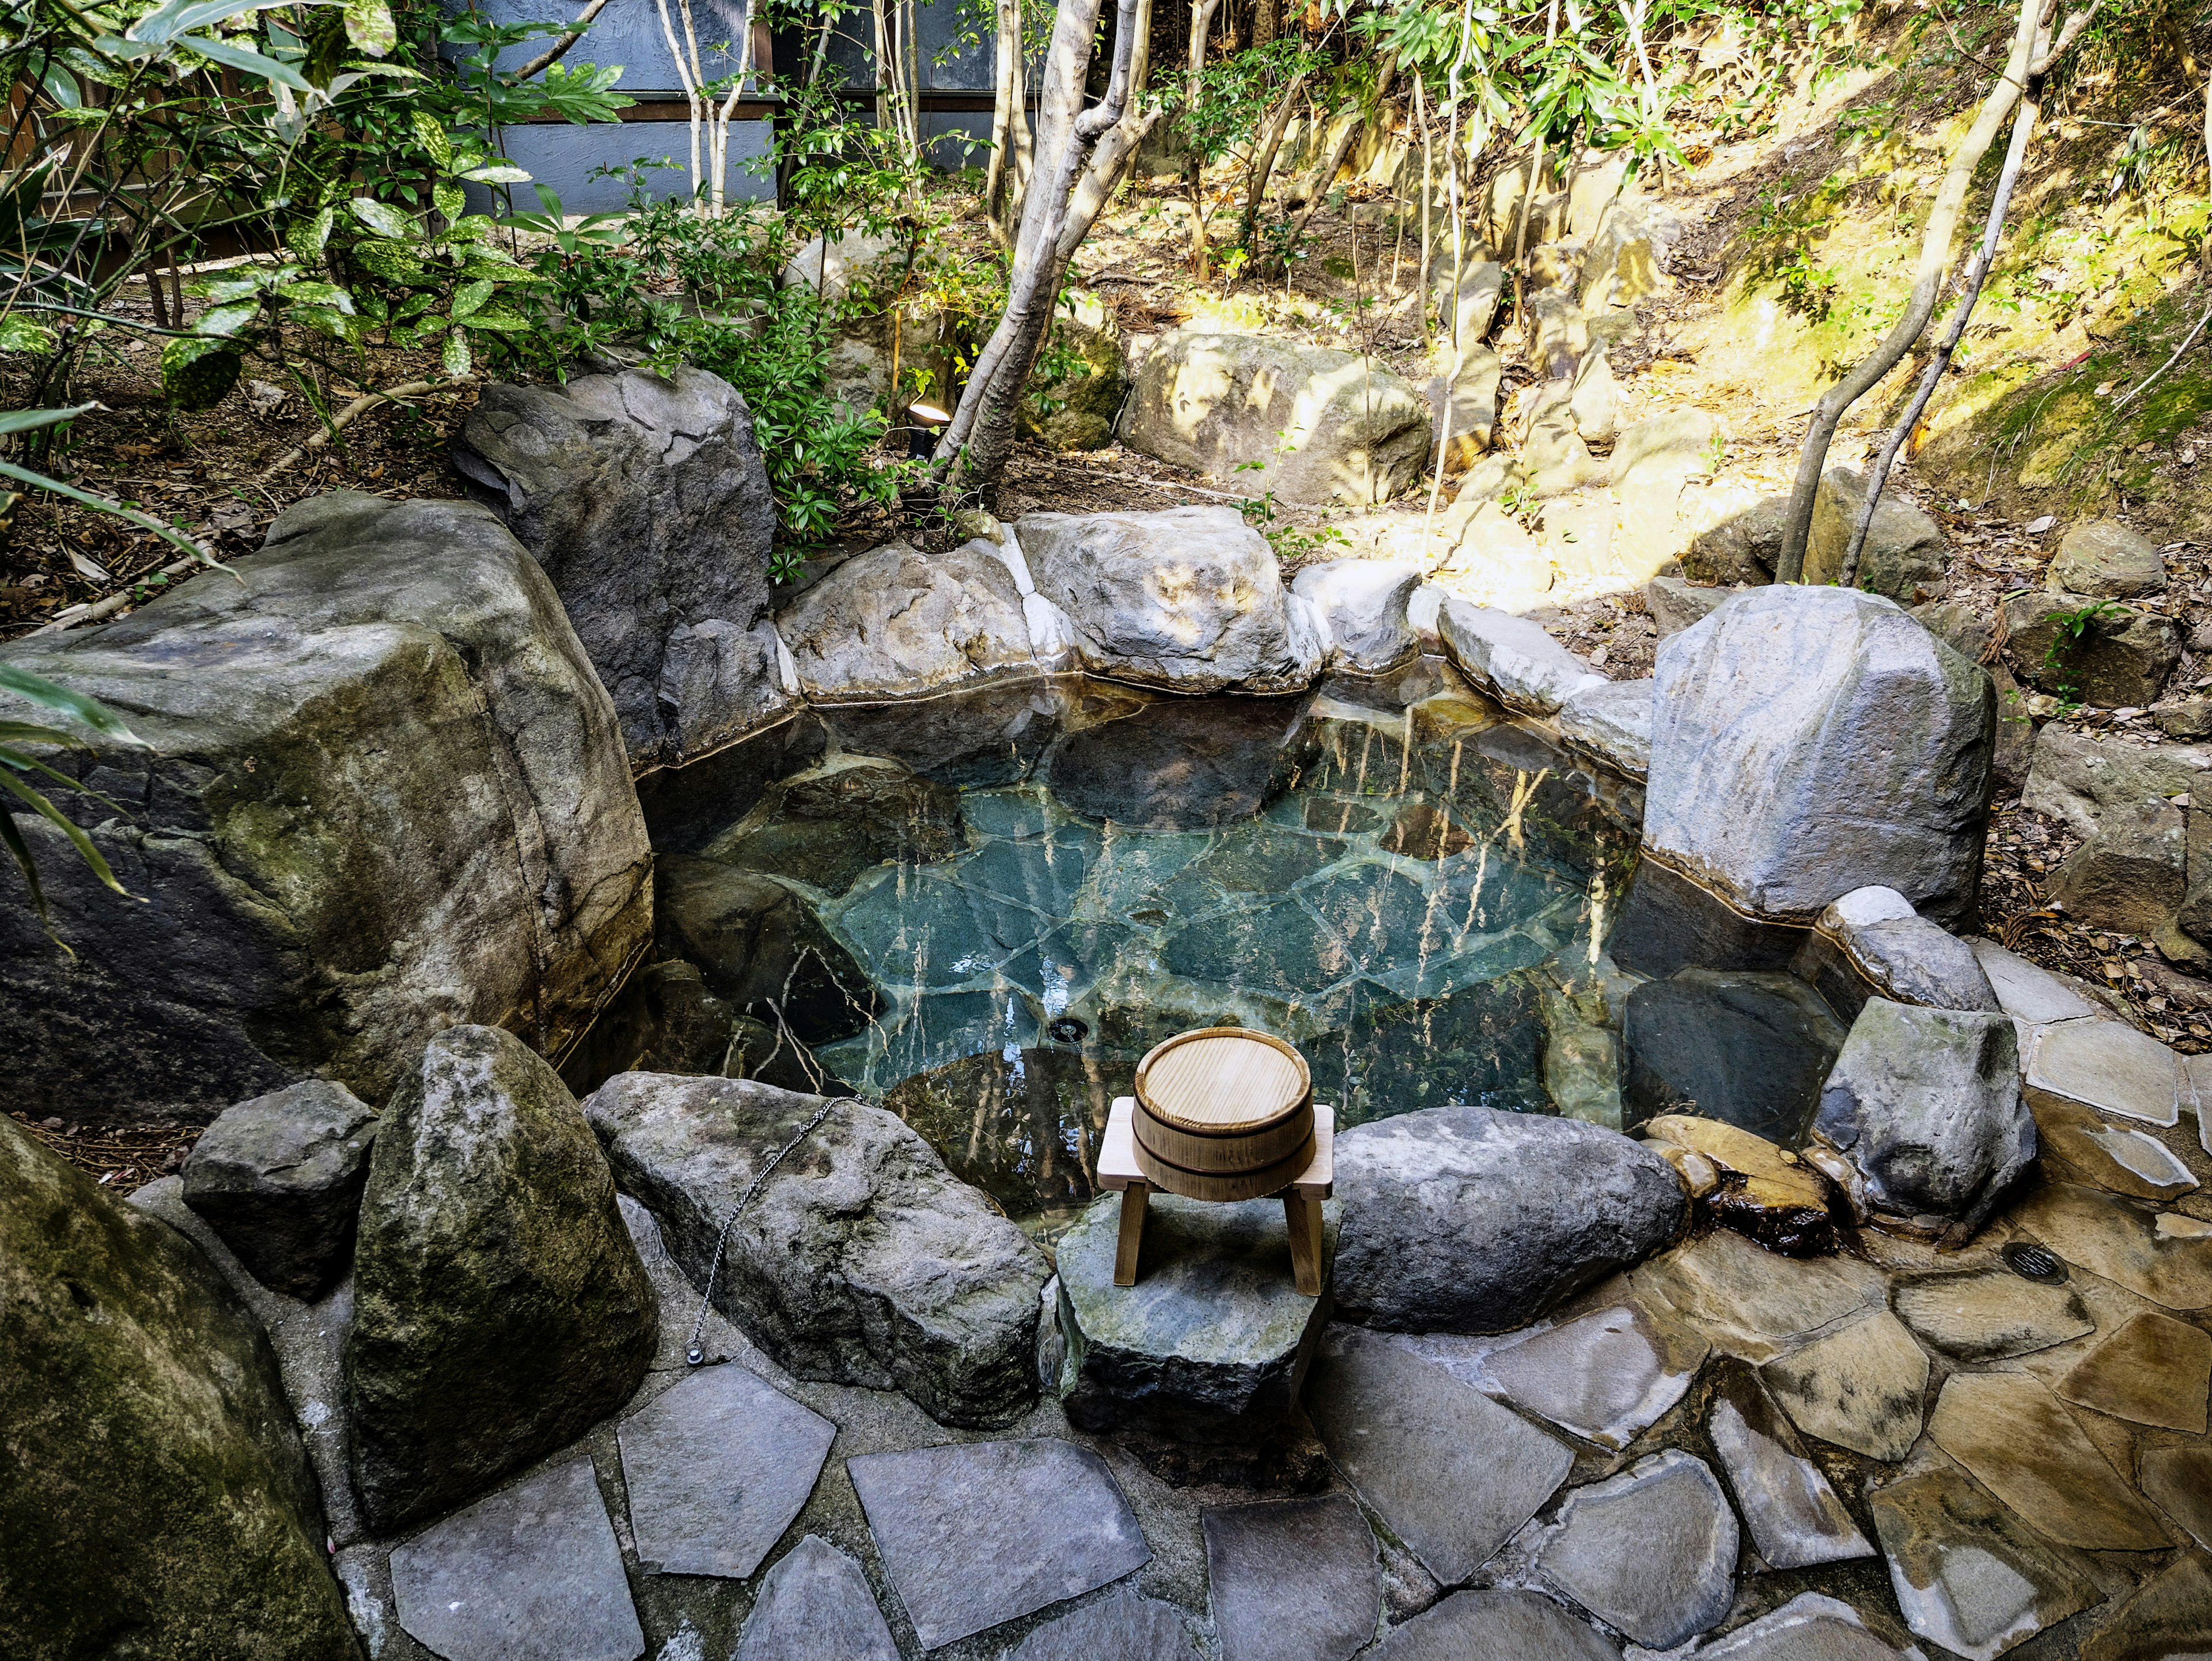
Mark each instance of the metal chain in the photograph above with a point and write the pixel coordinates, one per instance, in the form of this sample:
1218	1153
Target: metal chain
697	1353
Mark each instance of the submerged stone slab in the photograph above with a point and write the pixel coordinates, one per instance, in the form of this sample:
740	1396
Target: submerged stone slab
1046	1516
1467	1220
2178	1482
1650	1552
2017	1439
1794	1516
814	1603
2155	1369
717	1468
2107	1066
1747	1047
1292	1579
1989	1313
1968	1574
534	1569
1122	1626
1214	1338
2120	1239
1605	1376
1859	1386
1751	1303
1810	1627
1495	1626
1451	1471
2162	1620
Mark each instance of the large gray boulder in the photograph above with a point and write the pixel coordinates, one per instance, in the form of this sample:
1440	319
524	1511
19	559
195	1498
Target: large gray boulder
645	498
1513	659
500	1306
2105	558
1872	943
1323	425
1807	741
893	622
384	793
1190	599
2095	651
157	1502
862	1260
1469	1220
1926	1104
1362	602
2084	779
280	1177
2132	876
1905	558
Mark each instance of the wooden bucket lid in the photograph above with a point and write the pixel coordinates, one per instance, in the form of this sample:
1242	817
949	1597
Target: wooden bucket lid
1222	1081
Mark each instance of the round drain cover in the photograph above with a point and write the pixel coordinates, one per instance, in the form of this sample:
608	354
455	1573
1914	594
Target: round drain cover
1068	1029
2033	1263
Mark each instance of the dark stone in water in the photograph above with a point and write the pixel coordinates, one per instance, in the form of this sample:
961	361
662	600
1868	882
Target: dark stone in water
1748	1048
759	945
988	735
1670	922
687	807
832	823
665	1020
1484	1047
1024	1131
1178	765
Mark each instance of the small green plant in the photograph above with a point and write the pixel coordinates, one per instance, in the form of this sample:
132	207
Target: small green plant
1291	541
2070	632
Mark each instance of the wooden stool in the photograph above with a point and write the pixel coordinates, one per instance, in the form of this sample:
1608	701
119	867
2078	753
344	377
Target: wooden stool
1119	1172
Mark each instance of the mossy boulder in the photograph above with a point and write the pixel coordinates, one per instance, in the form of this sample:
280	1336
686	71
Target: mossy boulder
500	1305
154	1495
1076	409
2099	651
384	794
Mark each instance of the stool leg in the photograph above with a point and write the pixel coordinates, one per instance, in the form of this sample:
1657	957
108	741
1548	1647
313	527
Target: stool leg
1303	1213
1132	1239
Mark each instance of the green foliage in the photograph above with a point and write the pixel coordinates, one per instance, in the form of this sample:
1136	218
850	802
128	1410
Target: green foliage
1783	238
1291	541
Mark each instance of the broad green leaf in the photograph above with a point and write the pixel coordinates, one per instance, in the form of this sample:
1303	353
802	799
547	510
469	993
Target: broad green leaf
47	695
338	325
244	61
496	173
233	285
318	294
177	17
447	198
383	218
498	317
227	320
197	371
468	297
368	25
469	228
29	421
19	333
394	262
456	355
311	236
61	86
430	133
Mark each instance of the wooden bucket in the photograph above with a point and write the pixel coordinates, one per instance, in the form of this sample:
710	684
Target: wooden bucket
1224	1113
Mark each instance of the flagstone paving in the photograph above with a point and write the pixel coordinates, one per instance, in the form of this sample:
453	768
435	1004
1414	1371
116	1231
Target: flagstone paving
1292	1579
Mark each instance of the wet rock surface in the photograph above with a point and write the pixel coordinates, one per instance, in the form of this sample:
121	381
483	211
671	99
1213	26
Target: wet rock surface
2016	1439
814	1602
1650	1552
861	1259
1046	1516
1872	943
1495	1626
500	1307
1984	1315
1747	1047
1605	1377
2155	1369
1291	1577
645	498
1213	1341
1796	1518
280	1178
1465	1220
1858	1386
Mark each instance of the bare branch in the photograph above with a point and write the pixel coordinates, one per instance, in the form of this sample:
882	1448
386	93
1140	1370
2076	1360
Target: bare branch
553	54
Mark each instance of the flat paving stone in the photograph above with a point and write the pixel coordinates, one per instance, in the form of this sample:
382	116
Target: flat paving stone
1605	1376
2155	1369
1968	1574
1495	1626
1122	1626
1989	1313
1750	1302
2018	1440
1859	1387
1795	1517
1292	1579
1451	1471
815	1602
2121	1241
718	1466
2114	1158
1810	1627
2109	1067
532	1574
1651	1552
2167	1618
979	1533
2178	1482
2027	991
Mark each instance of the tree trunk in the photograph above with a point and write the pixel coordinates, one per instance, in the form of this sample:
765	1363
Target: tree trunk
1267	21
1928	282
1201	20
1110	161
1004	179
1334	160
1263	161
981	434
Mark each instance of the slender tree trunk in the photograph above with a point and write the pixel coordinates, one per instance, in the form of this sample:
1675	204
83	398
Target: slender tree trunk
1110	161
1263	161
1928	282
981	434
1334	161
1529	192
1201	21
1267	21
1428	193
999	190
